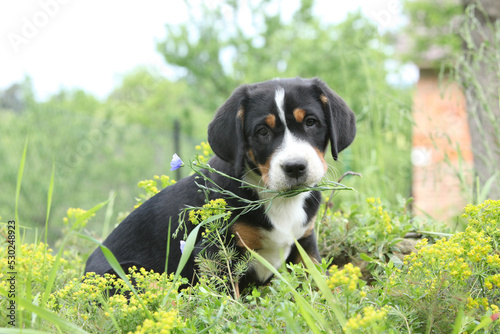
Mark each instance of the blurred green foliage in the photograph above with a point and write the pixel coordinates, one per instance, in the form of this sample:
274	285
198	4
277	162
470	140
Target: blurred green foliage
433	30
97	147
100	146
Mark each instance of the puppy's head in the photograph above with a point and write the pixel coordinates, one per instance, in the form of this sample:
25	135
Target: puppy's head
280	129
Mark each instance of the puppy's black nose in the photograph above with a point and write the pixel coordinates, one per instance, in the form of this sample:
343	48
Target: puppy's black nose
295	169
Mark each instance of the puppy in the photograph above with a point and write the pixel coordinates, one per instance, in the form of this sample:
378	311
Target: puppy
273	134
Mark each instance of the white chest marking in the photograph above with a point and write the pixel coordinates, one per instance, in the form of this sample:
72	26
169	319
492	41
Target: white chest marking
288	218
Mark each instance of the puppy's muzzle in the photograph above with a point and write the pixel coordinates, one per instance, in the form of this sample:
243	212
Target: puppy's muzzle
296	170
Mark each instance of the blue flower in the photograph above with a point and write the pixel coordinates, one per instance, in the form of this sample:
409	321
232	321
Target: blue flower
176	162
182	244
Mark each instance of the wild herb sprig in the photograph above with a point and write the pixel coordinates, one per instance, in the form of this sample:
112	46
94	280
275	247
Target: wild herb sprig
208	186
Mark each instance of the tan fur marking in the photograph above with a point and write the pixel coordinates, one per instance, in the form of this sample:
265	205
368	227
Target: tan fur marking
247	235
321	155
240	114
271	121
323	98
310	229
264	170
299	114
252	156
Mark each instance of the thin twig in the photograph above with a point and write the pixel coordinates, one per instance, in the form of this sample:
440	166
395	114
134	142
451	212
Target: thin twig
329	203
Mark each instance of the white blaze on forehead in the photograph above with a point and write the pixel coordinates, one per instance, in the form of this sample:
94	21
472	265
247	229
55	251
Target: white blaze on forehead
279	98
292	149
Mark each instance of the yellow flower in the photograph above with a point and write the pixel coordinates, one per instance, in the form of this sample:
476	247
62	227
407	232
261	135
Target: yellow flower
347	277
214	207
74	215
371	318
205	151
163	322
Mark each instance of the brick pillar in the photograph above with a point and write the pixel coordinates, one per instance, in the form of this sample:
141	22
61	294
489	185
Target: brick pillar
441	148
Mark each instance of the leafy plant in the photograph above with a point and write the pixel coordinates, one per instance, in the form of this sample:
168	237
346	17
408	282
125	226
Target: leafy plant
360	233
461	272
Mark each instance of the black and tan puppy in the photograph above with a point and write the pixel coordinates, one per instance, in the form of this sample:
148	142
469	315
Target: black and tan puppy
272	134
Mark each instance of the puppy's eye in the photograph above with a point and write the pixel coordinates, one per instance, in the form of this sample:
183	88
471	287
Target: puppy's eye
263	132
310	122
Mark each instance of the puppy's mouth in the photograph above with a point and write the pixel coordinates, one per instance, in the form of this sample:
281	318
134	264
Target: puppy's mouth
294	187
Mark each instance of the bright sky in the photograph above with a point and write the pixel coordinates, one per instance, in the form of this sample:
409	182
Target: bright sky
91	44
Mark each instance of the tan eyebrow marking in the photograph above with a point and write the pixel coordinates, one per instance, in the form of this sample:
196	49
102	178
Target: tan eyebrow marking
271	121
240	114
323	98
299	114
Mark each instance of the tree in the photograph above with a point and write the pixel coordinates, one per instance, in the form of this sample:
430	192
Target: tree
217	52
146	98
18	96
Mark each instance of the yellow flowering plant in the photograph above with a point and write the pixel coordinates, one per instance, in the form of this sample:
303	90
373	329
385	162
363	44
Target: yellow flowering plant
32	268
224	267
463	270
77	215
347	278
373	230
204	152
87	301
347	286
212	208
163	322
369	320
150	187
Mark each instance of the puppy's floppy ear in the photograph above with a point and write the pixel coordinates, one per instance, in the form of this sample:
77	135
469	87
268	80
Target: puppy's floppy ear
225	131
341	120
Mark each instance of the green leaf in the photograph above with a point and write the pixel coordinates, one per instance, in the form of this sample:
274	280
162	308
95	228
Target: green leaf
109	213
482	193
485	322
460	321
88	214
322	285
49	200
311	316
366	258
20	173
191	242
395	261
